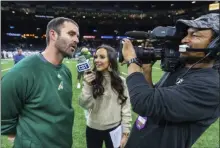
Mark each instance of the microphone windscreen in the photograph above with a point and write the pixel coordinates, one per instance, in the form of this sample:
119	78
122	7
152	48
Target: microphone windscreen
81	59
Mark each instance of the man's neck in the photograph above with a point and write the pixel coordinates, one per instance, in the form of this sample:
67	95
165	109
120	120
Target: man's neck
200	65
52	56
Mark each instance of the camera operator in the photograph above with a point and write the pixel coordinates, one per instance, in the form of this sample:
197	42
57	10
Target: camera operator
175	114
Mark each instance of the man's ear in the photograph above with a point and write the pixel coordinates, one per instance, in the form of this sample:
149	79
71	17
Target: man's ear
53	35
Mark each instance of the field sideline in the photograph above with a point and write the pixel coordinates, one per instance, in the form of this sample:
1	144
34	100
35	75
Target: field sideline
210	139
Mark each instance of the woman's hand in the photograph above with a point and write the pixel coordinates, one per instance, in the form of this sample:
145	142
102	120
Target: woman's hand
124	140
89	77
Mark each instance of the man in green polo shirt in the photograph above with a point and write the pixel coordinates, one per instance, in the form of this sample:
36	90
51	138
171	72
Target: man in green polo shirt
37	92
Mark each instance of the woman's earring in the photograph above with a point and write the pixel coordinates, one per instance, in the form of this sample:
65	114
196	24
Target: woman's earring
109	68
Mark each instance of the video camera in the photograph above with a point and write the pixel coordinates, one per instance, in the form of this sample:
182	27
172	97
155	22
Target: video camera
164	46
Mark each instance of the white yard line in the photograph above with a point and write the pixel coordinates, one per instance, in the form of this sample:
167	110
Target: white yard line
5	69
124	73
6	59
156	68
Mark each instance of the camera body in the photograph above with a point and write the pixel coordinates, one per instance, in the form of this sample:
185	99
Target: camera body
164	46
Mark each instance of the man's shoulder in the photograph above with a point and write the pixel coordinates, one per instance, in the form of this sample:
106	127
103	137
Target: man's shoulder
211	75
67	70
65	67
32	57
30	62
208	73
204	76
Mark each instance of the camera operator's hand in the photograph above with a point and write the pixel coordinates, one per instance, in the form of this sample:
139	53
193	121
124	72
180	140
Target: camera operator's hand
147	71
147	68
128	50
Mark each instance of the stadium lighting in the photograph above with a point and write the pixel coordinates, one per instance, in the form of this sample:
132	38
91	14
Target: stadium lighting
13	34
44	16
214	6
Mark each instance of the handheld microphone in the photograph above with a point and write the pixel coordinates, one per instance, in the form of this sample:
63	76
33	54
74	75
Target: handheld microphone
83	64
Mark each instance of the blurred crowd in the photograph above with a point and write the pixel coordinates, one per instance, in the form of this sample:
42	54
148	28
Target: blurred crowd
11	54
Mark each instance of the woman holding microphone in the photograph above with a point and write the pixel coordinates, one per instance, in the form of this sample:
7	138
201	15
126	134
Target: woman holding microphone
105	96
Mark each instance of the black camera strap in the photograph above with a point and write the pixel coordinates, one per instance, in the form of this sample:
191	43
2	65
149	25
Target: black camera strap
163	79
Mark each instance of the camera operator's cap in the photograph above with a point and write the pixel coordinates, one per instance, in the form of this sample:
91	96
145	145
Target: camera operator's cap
208	21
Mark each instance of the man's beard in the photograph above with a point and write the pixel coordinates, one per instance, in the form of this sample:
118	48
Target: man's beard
193	60
65	55
61	45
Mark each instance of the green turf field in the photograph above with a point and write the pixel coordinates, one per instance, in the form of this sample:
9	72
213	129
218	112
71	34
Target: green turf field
210	139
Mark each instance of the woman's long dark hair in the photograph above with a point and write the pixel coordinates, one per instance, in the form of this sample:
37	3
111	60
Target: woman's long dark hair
116	81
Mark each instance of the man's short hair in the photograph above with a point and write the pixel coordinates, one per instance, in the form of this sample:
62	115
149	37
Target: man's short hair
55	25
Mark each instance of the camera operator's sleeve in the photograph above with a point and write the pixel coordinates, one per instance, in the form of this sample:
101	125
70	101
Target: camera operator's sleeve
196	98
14	88
126	111
86	99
